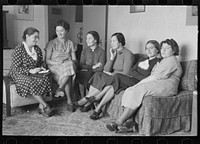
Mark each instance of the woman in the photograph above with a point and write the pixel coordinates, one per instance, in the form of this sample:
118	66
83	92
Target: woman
92	59
163	81
120	61
120	82
61	58
27	61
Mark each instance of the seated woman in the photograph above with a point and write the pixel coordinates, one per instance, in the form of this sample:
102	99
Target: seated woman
120	61
92	59
61	58
163	81
27	61
120	82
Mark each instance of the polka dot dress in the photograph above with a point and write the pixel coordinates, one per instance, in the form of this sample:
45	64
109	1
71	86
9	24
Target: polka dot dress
27	85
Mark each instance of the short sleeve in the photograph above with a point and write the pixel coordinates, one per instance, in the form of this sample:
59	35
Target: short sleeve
72	46
49	45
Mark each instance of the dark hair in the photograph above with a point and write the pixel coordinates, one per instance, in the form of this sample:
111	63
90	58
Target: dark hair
29	31
64	24
173	44
95	35
155	43
120	38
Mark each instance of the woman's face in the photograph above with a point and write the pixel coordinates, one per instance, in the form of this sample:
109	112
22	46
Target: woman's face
151	50
32	39
166	50
60	32
90	40
115	43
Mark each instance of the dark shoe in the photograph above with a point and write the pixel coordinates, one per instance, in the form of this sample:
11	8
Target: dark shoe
86	108
46	111
128	127
112	127
75	105
95	115
70	107
90	99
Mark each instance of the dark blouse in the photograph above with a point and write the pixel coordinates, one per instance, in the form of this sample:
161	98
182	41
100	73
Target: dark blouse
90	58
139	73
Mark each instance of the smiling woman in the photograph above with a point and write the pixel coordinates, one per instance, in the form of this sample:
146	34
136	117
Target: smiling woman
61	59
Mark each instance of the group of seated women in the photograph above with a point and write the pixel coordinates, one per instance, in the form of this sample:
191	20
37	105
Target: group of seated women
152	75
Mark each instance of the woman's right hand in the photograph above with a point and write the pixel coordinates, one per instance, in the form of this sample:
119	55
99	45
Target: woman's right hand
35	70
113	53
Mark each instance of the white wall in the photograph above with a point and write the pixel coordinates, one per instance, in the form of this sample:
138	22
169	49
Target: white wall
52	20
157	22
17	27
94	20
68	14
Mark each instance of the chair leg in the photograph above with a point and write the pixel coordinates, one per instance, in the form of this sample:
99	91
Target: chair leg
8	107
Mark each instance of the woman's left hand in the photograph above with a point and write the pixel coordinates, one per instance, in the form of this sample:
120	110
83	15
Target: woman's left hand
97	65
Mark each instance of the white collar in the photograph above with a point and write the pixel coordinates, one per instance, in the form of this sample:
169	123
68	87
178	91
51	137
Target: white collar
33	54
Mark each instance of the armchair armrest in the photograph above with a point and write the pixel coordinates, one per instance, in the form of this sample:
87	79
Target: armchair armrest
194	114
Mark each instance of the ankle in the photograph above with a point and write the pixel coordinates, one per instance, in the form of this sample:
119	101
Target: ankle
41	106
118	123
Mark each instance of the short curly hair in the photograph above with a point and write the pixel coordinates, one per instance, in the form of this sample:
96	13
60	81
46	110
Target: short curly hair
173	44
64	24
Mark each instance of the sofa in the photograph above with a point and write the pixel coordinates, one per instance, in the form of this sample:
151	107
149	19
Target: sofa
163	115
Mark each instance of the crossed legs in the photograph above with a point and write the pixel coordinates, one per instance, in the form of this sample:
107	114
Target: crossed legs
66	85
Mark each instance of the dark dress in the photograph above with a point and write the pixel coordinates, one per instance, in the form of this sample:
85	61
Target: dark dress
121	64
121	82
21	64
88	59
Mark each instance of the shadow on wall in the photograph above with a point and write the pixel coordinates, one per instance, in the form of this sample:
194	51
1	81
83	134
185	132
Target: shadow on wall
183	52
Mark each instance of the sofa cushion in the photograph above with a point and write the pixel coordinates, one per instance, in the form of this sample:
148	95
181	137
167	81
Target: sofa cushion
139	56
188	81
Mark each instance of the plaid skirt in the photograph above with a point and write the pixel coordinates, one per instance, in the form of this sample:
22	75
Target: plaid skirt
65	69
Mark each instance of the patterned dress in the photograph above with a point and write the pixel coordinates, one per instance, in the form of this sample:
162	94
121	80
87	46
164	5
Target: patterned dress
61	52
167	73
27	85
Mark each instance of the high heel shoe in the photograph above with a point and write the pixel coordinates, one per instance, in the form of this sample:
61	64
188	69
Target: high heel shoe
75	105
86	108
130	126
59	92
70	107
112	127
95	115
90	99
46	111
